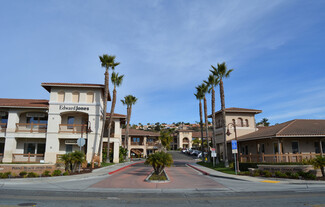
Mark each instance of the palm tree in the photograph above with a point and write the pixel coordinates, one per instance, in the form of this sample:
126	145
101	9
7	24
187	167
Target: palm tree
204	90
264	121
199	96
222	72
212	82
107	61
128	101
117	81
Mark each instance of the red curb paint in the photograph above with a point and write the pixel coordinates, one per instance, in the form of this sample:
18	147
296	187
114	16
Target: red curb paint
122	168
204	173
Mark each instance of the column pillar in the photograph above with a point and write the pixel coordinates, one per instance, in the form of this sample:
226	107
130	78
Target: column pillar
116	150
10	147
321	147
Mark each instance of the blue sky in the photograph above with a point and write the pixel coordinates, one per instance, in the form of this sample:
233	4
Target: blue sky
276	48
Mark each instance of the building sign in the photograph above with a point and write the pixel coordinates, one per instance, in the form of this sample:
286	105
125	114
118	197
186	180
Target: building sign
73	108
71	141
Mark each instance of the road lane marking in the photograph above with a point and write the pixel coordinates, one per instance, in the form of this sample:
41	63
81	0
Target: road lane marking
269	181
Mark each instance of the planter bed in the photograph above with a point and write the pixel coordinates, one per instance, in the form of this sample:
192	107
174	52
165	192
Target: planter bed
153	178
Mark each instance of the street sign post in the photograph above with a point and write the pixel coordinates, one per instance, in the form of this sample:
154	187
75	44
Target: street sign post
213	152
81	142
234	151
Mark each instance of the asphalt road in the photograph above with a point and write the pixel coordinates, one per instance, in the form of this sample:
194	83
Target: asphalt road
126	188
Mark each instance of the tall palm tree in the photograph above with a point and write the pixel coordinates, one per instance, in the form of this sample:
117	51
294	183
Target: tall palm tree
212	82
222	72
204	90
128	101
107	61
199	96
116	81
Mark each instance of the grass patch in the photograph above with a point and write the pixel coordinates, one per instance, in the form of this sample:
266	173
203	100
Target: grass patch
220	167
158	177
104	164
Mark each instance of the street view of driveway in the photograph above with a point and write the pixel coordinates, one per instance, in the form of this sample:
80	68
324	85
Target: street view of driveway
187	187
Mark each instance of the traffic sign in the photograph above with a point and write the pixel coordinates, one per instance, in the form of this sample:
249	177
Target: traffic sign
81	142
234	146
213	154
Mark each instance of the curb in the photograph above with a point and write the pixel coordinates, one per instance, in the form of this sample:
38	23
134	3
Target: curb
122	168
218	176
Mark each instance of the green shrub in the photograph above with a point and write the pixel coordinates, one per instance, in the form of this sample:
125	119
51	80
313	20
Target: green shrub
307	175
267	173
294	176
231	165
256	173
65	173
245	166
6	175
46	173
1	175
56	173
32	175
319	163
23	174
244	173
280	174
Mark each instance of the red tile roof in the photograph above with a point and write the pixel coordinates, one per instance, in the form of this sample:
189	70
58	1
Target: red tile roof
116	115
198	134
138	132
293	128
239	110
24	103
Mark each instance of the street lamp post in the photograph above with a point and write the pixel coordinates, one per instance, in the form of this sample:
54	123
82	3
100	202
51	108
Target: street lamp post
228	133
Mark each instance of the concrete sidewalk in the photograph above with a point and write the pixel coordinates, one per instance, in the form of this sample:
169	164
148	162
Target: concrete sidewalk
214	173
95	173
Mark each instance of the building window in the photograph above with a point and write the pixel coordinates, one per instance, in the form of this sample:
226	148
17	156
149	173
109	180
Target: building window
260	148
275	148
240	122
246	123
135	139
34	148
317	149
295	147
2	148
61	96
90	97
75	97
70	122
29	148
68	148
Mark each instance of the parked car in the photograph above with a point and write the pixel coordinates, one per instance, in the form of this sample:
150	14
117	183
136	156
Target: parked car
184	150
200	154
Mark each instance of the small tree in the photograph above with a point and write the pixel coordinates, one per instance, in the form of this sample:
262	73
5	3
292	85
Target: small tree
159	161
123	153
165	139
72	160
319	163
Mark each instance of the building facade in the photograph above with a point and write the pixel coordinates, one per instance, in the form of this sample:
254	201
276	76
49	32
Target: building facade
40	130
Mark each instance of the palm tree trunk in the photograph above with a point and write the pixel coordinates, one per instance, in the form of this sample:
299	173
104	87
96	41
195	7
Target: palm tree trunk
213	103
104	112
206	123
127	128
109	124
223	109
201	125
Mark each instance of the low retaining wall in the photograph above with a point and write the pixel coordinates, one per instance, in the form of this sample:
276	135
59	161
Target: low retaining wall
17	168
290	168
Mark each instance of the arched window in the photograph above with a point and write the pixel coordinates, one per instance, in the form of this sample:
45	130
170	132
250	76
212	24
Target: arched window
90	97
246	122
75	97
61	96
240	122
233	121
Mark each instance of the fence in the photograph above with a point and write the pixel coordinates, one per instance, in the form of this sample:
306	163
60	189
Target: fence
276	158
27	158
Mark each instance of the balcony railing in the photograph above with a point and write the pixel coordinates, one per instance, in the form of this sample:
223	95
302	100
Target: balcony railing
152	143
3	127
276	158
73	128
136	143
27	158
31	127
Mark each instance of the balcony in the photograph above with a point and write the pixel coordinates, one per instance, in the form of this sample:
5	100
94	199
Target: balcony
31	127
136	143
152	143
3	127
27	158
73	128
